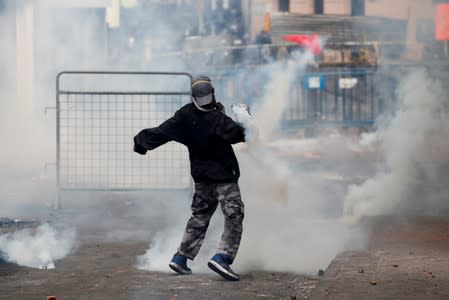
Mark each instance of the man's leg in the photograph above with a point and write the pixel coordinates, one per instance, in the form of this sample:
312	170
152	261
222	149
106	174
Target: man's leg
203	207
233	211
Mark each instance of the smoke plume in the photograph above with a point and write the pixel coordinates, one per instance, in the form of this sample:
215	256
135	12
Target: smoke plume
413	175
37	248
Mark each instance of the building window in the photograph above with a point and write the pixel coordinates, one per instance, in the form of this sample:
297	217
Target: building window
318	7
358	7
284	5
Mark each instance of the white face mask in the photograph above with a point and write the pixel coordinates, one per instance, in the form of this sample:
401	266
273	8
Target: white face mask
204	100
200	101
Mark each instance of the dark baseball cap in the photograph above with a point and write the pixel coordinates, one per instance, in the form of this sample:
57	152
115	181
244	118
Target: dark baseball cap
202	90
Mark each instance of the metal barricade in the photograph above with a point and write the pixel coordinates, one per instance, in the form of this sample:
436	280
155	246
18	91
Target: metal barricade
99	113
334	99
337	98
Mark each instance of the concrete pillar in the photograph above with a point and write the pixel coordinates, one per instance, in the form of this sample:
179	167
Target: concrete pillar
413	50
25	54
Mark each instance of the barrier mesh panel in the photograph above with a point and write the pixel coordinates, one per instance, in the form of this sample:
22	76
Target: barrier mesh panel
96	133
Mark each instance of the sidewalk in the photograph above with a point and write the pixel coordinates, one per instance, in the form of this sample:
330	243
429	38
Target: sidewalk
406	258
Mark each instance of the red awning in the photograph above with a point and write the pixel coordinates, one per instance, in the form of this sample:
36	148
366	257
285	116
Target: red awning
312	42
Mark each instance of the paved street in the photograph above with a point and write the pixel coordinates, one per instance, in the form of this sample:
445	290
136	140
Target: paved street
407	258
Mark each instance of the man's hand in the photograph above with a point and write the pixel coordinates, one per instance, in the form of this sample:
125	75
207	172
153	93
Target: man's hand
140	149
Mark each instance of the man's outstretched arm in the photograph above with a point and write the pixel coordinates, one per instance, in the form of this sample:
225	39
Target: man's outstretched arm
151	138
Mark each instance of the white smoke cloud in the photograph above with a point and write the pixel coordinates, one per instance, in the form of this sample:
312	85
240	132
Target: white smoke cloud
414	147
287	227
37	248
158	255
174	213
270	110
32	55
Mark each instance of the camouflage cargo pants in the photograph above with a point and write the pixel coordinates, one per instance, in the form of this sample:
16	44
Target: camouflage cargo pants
205	201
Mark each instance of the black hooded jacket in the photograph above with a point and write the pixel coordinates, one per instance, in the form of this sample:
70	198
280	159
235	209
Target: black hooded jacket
208	137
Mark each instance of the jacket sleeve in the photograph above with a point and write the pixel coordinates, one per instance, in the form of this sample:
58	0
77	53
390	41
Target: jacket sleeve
230	131
151	138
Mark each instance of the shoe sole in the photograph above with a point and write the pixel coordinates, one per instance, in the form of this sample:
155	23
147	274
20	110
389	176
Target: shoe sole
178	269
217	268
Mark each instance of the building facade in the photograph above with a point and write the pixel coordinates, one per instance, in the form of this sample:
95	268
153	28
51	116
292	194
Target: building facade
398	9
